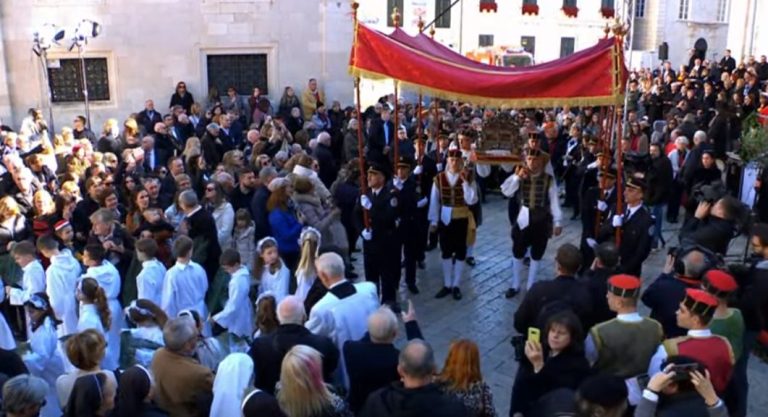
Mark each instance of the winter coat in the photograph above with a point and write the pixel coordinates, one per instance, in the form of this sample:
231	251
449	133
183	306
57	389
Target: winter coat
323	219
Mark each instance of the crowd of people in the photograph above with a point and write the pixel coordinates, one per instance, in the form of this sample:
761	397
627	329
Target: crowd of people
199	260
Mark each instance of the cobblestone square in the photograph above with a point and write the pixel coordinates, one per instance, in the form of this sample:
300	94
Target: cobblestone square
485	316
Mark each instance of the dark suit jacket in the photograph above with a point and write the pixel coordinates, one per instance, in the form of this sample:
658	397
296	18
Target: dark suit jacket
268	352
202	230
371	366
663	297
377	141
259	212
636	234
325	160
543	293
147	121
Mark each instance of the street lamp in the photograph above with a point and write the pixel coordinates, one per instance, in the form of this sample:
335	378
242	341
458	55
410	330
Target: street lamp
85	30
43	40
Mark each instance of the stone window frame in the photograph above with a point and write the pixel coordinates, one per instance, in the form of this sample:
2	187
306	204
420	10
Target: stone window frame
270	50
112	74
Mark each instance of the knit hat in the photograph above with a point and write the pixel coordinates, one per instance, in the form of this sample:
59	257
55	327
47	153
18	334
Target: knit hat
605	390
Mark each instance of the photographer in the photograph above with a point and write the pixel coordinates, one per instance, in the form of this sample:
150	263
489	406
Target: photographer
705	181
685	388
713	224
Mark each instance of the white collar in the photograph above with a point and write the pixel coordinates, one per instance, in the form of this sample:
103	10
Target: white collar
198	208
337	284
630	317
699	333
30	265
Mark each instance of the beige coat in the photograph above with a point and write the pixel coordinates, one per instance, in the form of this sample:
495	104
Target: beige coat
180	383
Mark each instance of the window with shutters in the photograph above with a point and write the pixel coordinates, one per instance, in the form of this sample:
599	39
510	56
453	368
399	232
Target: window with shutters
529	44
685	6
242	71
640	8
66	79
443	21
485	40
566	46
391	4
722	11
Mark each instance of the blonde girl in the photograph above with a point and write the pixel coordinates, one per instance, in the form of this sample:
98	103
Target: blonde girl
270	271
305	272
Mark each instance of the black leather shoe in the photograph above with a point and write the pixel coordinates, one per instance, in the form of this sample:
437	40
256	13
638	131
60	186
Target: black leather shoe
413	288
511	293
471	261
456	293
443	292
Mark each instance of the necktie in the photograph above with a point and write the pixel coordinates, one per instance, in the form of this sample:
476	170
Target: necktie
386	134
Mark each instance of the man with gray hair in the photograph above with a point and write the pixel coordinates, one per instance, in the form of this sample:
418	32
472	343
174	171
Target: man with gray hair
679	158
349	304
372	361
182	384
268	350
325	159
415	394
199	225
24	396
693	163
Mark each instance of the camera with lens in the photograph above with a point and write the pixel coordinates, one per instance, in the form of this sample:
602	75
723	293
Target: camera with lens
709	192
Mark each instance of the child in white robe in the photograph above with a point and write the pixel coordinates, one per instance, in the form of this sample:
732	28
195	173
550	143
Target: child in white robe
149	282
61	283
99	268
43	359
237	315
33	278
95	314
305	272
143	340
185	283
270	271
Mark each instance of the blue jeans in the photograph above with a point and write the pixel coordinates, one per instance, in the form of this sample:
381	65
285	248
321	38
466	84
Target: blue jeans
657	212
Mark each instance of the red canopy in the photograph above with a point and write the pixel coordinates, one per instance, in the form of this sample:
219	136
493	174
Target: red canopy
593	76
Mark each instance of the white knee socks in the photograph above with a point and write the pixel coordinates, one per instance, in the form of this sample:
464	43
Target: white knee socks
447	272
458	268
532	270
517	271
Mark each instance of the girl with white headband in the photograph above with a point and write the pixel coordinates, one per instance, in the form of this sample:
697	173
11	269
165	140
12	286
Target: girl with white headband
270	271
139	343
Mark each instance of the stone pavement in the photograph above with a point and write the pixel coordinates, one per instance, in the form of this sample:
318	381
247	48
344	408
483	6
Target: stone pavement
485	316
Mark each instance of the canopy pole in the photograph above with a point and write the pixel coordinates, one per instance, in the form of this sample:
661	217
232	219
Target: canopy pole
395	145
601	192
436	129
360	142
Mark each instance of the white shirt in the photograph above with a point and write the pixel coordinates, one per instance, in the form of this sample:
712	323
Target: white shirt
350	316
631	211
149	282
184	288
32	281
237	315
275	284
61	283
512	184
436	209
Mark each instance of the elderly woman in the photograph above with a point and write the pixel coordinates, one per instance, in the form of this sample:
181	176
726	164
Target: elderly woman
24	395
311	211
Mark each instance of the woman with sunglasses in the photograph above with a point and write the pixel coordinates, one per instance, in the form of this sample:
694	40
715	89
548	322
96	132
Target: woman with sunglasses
182	97
43	358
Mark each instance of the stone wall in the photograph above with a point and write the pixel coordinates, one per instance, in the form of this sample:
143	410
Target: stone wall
152	44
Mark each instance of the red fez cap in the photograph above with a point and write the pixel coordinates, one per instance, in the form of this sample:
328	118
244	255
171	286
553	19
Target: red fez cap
625	286
700	302
719	283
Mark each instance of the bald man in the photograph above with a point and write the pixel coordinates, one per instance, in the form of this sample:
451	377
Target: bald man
415	394
372	361
268	351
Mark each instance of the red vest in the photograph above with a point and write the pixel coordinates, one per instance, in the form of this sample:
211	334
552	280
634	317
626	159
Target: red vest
714	352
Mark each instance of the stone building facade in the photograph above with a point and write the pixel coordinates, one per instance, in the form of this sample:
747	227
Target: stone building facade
147	46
